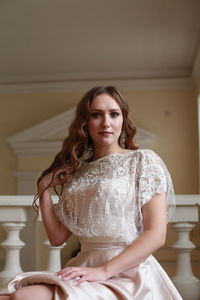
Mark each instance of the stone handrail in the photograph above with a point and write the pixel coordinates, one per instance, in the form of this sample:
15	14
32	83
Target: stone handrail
14	217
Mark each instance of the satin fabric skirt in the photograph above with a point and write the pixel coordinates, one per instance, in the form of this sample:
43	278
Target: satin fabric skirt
147	281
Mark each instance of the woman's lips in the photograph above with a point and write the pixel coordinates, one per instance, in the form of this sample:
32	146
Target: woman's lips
105	133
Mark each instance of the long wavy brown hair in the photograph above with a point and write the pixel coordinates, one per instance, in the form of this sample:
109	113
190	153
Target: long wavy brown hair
77	147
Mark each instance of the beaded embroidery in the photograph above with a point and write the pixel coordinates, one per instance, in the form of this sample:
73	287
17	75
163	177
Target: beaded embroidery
104	198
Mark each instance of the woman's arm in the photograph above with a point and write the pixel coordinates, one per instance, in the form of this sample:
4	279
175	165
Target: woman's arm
153	237
57	233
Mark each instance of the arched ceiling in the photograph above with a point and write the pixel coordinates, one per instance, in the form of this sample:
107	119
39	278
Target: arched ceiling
69	40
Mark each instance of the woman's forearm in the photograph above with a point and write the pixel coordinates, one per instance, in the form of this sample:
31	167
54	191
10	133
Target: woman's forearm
56	232
134	254
153	237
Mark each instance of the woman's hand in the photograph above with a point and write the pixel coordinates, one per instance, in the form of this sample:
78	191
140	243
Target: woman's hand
81	274
52	179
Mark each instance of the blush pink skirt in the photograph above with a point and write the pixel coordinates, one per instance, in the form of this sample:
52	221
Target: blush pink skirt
147	281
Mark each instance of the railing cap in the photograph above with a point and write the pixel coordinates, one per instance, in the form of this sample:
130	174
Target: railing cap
187	200
20	200
27	200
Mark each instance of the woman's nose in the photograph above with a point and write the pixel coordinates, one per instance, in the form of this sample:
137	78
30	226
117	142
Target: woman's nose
106	121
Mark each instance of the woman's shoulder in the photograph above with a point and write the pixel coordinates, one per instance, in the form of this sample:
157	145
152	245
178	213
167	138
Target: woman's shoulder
145	154
146	157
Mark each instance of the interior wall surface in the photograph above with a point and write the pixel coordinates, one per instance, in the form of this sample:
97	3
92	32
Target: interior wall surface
171	114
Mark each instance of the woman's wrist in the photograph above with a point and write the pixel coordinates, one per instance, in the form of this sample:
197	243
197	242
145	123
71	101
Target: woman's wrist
106	270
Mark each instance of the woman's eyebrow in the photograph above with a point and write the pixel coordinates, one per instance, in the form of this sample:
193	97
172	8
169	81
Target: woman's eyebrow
112	109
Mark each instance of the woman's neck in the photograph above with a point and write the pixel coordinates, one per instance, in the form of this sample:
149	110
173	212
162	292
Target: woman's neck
103	151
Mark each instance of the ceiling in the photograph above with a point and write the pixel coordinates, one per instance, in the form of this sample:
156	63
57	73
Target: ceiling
48	41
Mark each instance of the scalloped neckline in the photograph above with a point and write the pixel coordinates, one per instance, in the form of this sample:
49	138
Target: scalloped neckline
110	155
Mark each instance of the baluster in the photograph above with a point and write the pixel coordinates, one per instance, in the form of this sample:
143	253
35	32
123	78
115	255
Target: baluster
12	246
186	283
54	257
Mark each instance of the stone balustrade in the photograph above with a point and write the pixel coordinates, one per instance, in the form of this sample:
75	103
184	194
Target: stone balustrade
14	217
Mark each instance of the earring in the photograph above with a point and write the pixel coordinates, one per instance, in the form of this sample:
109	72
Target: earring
88	140
122	139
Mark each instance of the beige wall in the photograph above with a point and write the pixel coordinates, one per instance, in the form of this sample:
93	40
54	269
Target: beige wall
172	116
169	113
18	112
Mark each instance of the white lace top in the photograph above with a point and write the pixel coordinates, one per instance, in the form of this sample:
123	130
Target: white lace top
105	197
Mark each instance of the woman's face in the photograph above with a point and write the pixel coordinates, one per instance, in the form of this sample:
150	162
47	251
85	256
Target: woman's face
105	121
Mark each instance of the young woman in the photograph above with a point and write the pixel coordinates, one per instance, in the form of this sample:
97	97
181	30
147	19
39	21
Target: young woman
115	198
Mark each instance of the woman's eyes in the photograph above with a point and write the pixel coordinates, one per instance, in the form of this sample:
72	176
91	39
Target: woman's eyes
114	114
97	115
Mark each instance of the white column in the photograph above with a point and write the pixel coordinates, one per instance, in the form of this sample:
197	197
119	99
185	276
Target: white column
54	257
187	284
12	246
13	218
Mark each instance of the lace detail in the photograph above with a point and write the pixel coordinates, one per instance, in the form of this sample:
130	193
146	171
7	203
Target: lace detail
152	177
105	197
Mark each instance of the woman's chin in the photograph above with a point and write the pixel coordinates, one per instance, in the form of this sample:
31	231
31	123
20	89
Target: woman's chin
106	143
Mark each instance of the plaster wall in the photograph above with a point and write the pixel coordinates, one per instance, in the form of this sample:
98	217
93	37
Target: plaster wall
169	113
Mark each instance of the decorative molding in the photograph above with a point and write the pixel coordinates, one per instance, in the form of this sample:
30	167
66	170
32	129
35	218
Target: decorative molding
138	73
52	129
84	85
36	148
46	137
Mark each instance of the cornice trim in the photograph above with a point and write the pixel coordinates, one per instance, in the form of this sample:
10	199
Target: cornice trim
36	148
83	85
48	130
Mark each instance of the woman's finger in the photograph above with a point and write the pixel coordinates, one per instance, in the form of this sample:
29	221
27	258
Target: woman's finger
67	271
62	271
74	274
82	279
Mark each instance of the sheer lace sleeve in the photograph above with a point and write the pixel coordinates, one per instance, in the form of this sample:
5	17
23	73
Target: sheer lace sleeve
152	177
